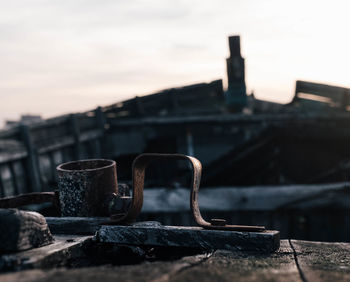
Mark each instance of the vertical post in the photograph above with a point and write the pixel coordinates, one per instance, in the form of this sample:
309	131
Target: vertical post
2	187
32	167
100	124
53	166
189	141
14	178
76	136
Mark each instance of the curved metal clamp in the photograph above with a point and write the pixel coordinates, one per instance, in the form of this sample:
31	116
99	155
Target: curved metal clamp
138	174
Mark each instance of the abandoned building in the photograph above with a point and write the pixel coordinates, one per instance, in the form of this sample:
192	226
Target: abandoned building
282	166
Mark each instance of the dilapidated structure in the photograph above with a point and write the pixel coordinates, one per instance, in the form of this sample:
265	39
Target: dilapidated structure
297	151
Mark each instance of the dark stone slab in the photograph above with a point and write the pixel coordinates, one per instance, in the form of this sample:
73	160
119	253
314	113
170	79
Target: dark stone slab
192	237
22	230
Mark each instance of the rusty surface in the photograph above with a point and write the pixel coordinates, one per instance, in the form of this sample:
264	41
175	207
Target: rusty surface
85	187
90	188
29	199
139	166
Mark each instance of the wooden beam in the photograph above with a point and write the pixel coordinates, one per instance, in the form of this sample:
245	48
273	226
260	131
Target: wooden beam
239	119
14	178
60	252
32	166
339	95
256	198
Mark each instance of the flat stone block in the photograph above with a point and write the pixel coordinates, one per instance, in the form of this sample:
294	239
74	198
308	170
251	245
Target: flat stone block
192	237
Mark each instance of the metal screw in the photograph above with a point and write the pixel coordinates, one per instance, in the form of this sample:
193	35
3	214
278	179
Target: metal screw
218	222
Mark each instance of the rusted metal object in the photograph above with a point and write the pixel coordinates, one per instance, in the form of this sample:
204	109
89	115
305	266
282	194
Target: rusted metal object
218	224
87	187
138	176
29	199
139	166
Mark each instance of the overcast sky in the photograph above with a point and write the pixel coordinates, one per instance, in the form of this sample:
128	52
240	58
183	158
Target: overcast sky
60	56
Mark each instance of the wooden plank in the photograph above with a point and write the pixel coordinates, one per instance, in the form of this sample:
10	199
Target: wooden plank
149	271
243	266
277	119
21	230
330	264
11	133
51	122
12	156
56	145
320	261
90	135
218	266
337	94
191	237
256	198
64	248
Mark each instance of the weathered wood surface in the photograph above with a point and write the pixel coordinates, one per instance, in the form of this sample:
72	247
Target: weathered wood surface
191	237
319	261
59	253
335	94
21	230
284	119
295	261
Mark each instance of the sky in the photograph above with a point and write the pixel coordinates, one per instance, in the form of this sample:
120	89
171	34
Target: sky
60	56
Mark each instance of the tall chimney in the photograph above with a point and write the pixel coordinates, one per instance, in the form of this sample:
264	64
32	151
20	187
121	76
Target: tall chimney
236	96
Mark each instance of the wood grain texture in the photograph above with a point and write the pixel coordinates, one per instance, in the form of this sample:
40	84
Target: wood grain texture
321	261
21	230
295	261
62	250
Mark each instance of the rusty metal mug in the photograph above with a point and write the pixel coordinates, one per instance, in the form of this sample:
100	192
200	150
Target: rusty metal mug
86	187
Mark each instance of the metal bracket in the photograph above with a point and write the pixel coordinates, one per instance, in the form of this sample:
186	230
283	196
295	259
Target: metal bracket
139	166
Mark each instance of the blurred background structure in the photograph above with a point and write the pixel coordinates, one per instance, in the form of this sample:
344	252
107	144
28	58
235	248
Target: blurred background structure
286	166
